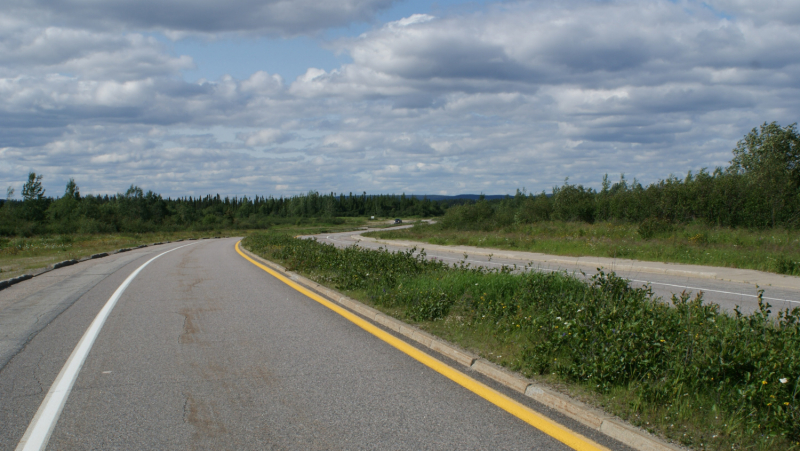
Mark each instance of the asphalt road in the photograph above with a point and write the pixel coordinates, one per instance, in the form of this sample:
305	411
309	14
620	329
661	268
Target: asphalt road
206	351
726	294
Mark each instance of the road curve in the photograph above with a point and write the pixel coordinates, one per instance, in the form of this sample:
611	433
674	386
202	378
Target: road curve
785	293
204	350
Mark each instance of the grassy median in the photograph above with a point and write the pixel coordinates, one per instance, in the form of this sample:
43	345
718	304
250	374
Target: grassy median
774	250
683	370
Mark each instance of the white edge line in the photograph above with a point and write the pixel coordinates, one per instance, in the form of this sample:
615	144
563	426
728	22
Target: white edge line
38	433
713	291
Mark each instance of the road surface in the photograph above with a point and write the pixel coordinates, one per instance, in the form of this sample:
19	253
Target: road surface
204	350
783	294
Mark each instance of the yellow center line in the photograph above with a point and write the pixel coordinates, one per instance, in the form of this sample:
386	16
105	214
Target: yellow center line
533	418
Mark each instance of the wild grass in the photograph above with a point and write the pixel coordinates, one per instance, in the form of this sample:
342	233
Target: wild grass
684	370
775	250
21	255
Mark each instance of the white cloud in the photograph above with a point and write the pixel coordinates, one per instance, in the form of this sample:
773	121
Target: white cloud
93	55
588	43
762	11
411	20
263	137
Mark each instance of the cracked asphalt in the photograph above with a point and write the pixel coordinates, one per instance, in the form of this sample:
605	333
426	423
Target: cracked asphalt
206	351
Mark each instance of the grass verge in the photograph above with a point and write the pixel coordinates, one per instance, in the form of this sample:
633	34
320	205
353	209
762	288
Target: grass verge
775	250
21	255
685	371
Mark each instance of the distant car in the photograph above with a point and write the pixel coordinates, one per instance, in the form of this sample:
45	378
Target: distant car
398	221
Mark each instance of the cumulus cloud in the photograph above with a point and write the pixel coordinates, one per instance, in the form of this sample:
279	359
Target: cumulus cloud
34	52
263	137
761	12
271	17
513	95
588	43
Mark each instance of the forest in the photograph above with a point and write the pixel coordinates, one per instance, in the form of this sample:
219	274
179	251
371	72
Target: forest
760	189
136	211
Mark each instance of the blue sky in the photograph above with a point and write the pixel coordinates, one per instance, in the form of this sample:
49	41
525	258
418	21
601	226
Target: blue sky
245	97
290	57
243	56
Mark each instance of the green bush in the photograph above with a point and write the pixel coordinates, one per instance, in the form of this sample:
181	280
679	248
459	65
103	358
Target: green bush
653	227
785	265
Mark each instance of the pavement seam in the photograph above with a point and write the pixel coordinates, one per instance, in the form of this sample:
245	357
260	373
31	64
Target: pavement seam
584	414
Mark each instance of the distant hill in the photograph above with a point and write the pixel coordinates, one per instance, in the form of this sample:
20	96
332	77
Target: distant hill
459	196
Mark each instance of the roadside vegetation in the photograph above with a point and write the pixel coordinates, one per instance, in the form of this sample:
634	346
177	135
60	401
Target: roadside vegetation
773	250
39	230
19	255
683	369
746	215
136	211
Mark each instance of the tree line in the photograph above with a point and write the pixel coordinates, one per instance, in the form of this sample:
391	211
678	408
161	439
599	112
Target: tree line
759	189
139	211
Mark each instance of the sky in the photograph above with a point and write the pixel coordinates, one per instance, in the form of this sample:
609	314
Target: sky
281	97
